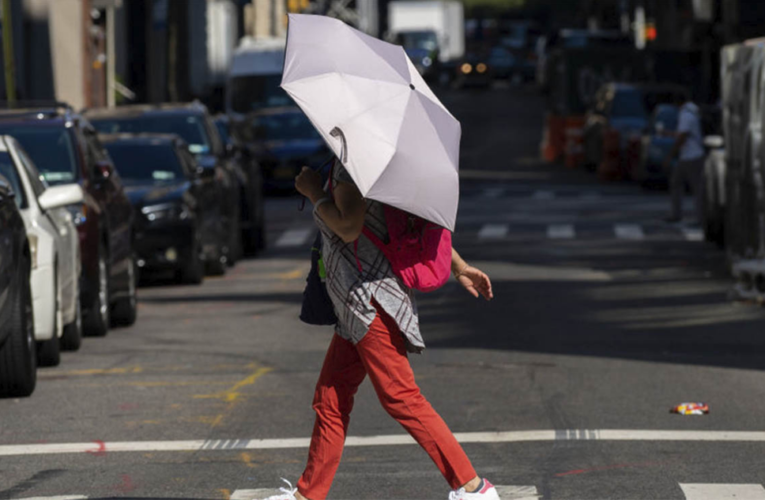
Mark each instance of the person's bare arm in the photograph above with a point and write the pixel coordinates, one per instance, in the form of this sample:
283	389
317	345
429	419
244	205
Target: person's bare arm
471	278
344	215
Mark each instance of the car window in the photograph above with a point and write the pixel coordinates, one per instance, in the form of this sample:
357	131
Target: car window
146	162
35	178
8	170
51	149
190	127
223	131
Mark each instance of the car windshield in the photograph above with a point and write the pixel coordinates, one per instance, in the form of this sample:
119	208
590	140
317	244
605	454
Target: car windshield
426	40
253	92
50	148
628	103
156	162
8	171
284	127
190	127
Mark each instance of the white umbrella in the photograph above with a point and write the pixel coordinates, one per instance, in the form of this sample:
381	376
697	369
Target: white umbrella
374	110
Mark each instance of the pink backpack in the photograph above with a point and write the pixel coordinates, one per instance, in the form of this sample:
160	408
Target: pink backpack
419	251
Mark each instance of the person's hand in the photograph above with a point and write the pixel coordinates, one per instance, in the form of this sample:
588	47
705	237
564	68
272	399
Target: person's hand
308	183
476	282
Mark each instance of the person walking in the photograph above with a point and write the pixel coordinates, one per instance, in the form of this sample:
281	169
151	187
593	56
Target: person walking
690	166
377	327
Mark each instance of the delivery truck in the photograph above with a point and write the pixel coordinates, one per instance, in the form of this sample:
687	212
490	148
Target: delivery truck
445	20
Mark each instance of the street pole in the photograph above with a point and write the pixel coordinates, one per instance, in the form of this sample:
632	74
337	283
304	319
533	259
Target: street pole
111	58
10	65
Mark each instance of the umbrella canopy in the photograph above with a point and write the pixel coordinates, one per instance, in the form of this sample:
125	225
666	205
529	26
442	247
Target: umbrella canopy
374	110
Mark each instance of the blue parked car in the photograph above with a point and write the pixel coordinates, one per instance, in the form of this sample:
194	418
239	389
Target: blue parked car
656	144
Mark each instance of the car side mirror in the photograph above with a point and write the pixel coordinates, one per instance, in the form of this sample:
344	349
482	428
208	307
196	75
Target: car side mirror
103	170
205	173
61	196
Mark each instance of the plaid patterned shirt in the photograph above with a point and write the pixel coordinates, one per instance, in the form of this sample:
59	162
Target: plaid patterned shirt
352	291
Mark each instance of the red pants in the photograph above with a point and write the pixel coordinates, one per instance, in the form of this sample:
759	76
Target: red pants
382	355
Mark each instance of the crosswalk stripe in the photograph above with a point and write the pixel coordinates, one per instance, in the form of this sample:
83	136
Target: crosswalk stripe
517	492
707	491
693	234
544	195
294	237
493	231
561	231
494	192
629	232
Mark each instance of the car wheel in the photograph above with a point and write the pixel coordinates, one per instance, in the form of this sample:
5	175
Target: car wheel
71	340
98	320
193	271
49	351
18	359
216	265
125	310
234	242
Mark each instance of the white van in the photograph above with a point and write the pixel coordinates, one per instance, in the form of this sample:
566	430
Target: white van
255	75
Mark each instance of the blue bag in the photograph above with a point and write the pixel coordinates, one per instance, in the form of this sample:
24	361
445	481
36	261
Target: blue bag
317	308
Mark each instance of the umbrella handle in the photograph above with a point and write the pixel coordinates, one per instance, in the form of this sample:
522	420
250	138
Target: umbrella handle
336	132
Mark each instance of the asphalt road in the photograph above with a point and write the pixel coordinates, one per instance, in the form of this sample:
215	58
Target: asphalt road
560	388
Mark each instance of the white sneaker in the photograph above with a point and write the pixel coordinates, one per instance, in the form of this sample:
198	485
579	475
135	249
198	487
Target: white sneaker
486	492
286	493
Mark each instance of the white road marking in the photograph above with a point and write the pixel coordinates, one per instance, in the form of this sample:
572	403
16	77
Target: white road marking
385	440
250	494
629	232
702	491
561	232
61	497
494	192
693	234
517	492
294	237
544	195
493	231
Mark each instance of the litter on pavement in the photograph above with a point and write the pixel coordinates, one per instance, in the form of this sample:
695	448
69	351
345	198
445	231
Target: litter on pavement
691	409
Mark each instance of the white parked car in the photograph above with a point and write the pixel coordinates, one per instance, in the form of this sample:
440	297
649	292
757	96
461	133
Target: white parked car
55	253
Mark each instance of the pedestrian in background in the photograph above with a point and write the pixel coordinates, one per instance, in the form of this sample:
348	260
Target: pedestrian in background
377	326
689	149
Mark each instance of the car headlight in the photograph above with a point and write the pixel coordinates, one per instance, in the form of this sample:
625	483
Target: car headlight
79	213
427	61
481	68
165	211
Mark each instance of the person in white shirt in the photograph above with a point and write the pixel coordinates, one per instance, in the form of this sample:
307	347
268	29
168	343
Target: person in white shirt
689	145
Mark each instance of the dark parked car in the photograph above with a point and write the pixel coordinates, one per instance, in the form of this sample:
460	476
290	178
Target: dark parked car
251	183
621	113
18	357
65	148
177	214
194	125
285	141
